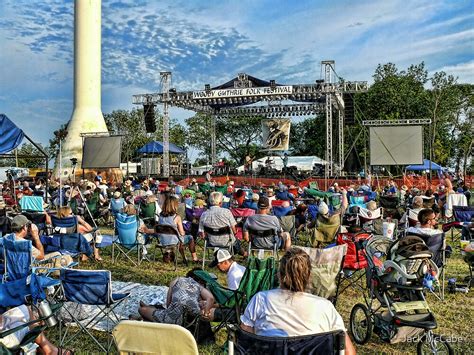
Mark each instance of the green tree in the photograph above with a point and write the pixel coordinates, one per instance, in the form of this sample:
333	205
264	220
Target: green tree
308	137
237	136
29	156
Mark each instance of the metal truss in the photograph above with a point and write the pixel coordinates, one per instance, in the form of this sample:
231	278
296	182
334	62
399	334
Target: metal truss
407	122
165	88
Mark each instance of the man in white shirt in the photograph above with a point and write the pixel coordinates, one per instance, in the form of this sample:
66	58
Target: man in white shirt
427	219
223	261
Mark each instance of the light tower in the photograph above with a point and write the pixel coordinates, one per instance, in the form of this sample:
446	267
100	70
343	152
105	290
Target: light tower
87	114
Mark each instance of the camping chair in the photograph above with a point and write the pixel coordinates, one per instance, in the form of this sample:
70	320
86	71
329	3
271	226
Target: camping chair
462	216
437	245
193	215
73	244
390	204
325	230
128	238
260	275
242	342
216	232
133	337
366	217
326	269
89	287
64	225
116	206
240	215
174	248
454	199
288	224
148	213
355	262
260	239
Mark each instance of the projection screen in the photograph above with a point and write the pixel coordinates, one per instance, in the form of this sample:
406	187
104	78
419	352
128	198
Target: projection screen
396	145
101	152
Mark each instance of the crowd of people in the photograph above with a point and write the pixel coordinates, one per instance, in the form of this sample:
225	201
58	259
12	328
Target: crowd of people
194	209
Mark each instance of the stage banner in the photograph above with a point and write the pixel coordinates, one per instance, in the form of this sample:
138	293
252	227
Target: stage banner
276	134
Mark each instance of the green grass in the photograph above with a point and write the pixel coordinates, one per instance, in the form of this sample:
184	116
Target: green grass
454	315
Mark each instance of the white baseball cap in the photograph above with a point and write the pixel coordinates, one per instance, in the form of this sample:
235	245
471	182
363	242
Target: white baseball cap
220	256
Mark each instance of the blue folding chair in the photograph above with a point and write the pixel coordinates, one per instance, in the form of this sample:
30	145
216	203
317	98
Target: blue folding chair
19	278
89	287
127	240
64	225
73	244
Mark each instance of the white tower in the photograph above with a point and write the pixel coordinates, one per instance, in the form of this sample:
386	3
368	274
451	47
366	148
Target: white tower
87	114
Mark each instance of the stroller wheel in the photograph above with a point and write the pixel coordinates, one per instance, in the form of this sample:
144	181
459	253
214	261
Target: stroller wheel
433	344
361	323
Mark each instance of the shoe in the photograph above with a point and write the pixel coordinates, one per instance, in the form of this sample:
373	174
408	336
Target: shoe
167	257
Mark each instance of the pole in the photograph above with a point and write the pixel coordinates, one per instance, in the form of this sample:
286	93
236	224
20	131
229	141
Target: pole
60	173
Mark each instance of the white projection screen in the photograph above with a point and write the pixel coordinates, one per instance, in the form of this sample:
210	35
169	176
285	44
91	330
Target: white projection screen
396	145
101	152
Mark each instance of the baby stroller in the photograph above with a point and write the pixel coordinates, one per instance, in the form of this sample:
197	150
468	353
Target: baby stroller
395	307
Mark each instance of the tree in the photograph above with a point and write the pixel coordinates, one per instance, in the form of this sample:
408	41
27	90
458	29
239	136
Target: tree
237	136
53	148
29	150
308	137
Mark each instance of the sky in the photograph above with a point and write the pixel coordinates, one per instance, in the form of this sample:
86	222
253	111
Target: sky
211	41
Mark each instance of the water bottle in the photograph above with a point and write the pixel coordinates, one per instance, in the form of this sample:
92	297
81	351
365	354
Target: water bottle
44	311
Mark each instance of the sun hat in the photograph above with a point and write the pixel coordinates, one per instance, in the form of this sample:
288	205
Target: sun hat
117	194
323	208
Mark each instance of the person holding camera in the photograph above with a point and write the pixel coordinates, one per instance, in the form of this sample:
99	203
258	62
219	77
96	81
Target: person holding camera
24	229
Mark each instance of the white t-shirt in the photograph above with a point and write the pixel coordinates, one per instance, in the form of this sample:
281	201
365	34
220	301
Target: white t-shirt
234	275
284	313
423	231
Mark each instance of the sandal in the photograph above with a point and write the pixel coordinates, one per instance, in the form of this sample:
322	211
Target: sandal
62	351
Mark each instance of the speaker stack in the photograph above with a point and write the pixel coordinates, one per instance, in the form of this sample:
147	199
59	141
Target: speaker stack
348	109
149	114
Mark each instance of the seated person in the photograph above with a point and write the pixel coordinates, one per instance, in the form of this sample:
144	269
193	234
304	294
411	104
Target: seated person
185	297
83	228
239	197
218	217
290	311
224	262
17	316
22	228
300	217
428	221
169	217
262	221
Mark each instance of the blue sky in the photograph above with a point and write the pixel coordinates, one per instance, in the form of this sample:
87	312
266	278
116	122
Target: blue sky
211	41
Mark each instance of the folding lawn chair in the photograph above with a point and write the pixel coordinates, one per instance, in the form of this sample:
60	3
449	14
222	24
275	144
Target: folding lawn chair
240	215
133	337
148	213
89	287
242	343
325	230
463	215
64	225
355	262
216	232
5	223
326	268
281	211
366	217
167	230
260	275
266	240
287	224
128	238
73	244
31	204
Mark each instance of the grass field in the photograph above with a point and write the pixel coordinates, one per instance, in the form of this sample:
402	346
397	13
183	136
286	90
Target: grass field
454	315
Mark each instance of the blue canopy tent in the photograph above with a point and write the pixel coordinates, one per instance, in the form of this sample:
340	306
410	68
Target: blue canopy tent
11	137
425	166
155	147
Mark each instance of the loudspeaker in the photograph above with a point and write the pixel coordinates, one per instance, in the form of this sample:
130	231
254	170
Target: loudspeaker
149	114
348	109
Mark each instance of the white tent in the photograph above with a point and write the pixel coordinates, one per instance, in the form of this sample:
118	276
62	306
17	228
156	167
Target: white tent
302	163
